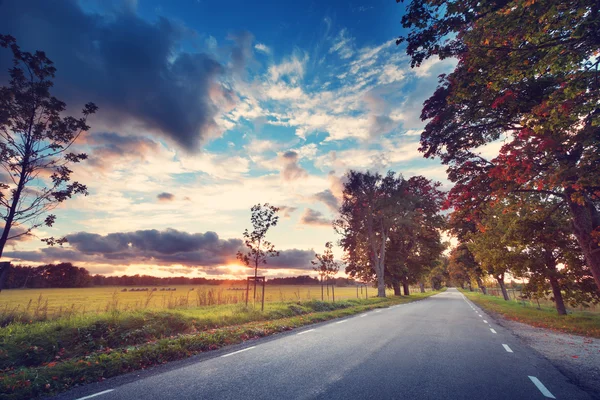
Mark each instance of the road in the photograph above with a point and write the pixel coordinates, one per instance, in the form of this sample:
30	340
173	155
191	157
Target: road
440	347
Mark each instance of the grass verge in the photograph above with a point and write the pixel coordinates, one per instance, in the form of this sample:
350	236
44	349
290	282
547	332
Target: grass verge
42	359
579	322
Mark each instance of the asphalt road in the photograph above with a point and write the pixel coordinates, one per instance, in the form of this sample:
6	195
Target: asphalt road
443	347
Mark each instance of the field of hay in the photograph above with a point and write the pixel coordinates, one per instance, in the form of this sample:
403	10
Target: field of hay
44	304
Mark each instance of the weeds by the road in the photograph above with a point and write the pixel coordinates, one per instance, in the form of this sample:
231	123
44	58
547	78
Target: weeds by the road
577	322
48	357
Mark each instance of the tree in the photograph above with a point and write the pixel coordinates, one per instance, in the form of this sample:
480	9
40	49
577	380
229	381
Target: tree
258	248
493	249
326	266
371	206
35	148
415	240
527	71
462	266
550	255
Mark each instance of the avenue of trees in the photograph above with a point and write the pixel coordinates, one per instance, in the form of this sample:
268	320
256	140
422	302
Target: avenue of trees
527	79
391	229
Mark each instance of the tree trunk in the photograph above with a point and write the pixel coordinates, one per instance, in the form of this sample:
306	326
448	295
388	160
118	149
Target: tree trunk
381	268
500	280
406	288
470	286
558	299
422	287
585	220
322	292
380	283
480	284
396	286
4	268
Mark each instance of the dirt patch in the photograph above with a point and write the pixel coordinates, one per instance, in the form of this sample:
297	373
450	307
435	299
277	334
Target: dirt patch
578	357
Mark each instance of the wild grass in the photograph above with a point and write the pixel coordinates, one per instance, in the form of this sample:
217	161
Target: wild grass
46	357
35	305
577	322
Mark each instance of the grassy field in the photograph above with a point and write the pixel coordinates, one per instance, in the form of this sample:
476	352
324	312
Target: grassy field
42	304
585	323
42	358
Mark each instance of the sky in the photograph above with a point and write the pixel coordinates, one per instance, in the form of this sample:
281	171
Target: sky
209	107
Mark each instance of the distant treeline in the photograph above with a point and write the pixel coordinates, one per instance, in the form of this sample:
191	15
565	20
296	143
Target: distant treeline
66	275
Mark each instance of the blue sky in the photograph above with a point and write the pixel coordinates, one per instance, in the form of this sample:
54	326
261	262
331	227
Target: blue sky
207	108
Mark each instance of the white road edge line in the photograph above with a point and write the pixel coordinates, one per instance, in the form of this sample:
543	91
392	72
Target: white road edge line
341	322
541	387
363	315
508	349
493	331
96	394
303	332
239	351
378	311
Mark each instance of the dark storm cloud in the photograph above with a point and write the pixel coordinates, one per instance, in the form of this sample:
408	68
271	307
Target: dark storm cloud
327	197
133	69
164	196
293	259
314	217
153	246
203	250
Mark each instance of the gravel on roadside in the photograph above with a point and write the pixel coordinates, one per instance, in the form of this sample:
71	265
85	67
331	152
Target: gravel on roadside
577	357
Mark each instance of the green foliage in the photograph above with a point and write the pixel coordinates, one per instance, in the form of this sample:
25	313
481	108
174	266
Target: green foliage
326	265
259	249
389	227
527	73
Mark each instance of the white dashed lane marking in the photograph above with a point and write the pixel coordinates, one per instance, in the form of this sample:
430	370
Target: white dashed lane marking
96	394
239	351
508	349
541	387
493	331
302	333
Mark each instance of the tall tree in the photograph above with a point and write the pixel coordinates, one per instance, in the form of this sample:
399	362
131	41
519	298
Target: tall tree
415	240
326	266
371	206
35	148
259	249
527	71
550	255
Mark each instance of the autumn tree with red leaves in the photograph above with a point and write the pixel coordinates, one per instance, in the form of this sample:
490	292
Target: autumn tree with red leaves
527	74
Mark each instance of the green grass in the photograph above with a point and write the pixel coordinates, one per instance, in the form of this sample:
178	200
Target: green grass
44	358
577	322
46	304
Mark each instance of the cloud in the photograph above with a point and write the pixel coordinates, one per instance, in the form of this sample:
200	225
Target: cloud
293	258
108	147
327	197
153	247
133	69
343	45
287	211
291	170
262	48
315	218
242	51
164	196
